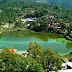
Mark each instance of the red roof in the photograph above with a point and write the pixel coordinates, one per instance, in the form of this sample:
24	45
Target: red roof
12	50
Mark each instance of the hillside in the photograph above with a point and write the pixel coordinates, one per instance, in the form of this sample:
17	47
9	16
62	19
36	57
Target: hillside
63	3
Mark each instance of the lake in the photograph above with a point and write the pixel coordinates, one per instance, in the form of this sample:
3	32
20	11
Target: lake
20	41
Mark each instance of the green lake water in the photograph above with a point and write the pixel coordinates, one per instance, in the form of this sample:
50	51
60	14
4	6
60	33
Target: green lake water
21	40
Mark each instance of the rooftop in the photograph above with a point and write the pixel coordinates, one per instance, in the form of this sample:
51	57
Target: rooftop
29	19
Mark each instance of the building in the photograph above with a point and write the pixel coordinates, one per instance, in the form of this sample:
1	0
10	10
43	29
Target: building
0	11
24	53
64	65
29	19
55	25
22	15
67	65
67	24
68	70
51	17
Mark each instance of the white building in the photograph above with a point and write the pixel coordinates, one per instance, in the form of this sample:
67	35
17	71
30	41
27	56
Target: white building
67	67
29	19
68	70
0	10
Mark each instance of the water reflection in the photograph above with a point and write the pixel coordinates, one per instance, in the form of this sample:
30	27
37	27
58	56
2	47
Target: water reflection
69	45
41	36
0	36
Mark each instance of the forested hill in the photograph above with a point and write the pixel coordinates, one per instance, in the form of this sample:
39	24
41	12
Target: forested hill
63	3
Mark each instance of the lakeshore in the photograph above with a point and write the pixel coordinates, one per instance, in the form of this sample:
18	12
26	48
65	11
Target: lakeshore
20	40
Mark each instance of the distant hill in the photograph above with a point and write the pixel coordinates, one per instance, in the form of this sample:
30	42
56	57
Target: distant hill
63	3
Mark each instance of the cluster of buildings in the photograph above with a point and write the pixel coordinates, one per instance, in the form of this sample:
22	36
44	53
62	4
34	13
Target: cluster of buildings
23	19
52	24
55	25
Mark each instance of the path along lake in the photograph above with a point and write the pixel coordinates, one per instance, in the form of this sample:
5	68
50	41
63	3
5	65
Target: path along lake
20	40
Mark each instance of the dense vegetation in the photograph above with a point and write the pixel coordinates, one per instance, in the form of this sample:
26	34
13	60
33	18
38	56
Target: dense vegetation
11	10
38	60
63	3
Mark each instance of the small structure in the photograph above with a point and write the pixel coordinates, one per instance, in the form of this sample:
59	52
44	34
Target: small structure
29	19
0	11
71	32
0	51
64	65
51	17
68	70
21	15
24	53
49	25
67	24
12	50
55	25
67	65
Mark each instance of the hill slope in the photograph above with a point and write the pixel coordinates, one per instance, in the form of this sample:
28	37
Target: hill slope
63	3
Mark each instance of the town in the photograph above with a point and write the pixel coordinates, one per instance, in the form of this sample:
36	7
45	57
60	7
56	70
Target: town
35	36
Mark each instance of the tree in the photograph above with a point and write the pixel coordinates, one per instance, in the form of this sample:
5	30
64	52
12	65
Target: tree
35	49
18	24
51	60
34	67
12	62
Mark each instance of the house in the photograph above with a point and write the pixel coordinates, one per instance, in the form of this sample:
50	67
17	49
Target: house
24	53
7	25
53	24
0	11
67	65
22	15
51	17
3	22
29	19
68	70
56	25
67	24
71	32
64	65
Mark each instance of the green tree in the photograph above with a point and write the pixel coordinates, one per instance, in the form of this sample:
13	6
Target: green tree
34	67
35	49
51	60
12	62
